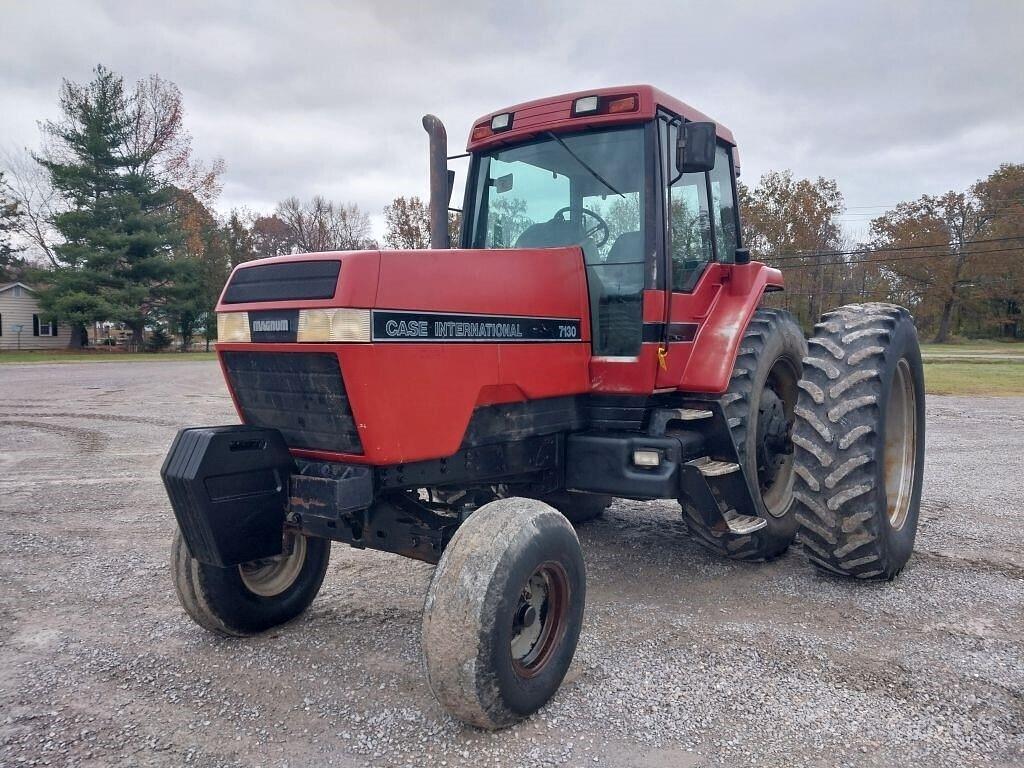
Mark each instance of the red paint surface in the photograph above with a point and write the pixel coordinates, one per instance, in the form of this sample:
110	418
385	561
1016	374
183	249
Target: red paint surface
413	401
722	304
555	114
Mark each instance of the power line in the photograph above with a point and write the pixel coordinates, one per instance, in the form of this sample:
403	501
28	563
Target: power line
903	258
869	216
893	205
857	251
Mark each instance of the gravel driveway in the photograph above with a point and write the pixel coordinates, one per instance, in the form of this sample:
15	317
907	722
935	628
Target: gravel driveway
685	660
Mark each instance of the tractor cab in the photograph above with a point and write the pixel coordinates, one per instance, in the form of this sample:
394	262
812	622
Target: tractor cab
603	171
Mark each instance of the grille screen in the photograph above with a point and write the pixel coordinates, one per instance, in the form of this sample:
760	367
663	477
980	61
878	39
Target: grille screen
287	281
301	394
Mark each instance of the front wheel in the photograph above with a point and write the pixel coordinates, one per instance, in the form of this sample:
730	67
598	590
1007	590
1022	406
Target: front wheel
504	612
252	597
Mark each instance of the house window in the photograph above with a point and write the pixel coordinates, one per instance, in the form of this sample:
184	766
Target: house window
16	291
40	328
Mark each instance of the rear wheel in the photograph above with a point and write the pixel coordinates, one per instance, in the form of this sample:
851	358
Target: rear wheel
759	406
504	612
860	442
252	597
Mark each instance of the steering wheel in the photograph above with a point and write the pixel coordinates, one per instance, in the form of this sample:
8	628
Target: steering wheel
601	226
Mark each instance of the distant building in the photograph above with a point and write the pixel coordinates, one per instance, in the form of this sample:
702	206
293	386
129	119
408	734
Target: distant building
20	311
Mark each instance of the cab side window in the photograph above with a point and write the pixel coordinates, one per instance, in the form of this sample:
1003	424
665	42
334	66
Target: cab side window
723	206
689	216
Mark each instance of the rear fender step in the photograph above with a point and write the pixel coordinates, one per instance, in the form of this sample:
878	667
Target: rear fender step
715	483
713	467
662	417
741	525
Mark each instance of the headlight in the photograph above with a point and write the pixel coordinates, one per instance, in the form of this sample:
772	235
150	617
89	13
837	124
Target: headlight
334	325
233	326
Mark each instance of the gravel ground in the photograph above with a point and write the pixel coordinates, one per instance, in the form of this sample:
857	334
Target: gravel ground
685	660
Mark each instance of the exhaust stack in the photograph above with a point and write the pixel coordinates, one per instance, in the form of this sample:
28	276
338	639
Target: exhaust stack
440	182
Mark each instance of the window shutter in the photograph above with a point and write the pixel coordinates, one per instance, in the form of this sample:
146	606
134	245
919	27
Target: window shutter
53	327
35	325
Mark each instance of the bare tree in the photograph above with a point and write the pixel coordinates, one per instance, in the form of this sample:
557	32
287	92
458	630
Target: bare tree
157	142
321	225
27	183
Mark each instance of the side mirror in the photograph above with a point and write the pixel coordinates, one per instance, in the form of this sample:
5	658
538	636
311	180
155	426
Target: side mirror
695	149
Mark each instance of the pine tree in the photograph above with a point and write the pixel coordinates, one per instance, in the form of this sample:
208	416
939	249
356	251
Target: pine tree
115	262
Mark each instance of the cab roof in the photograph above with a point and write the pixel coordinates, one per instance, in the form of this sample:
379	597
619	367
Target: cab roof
554	113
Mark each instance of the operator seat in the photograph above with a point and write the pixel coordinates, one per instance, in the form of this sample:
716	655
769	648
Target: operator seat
553	234
628	248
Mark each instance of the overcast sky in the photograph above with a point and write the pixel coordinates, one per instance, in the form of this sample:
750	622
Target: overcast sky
892	99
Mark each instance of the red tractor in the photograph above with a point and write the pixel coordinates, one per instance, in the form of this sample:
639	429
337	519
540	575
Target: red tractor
598	333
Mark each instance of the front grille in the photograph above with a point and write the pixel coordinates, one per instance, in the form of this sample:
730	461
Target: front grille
302	394
285	281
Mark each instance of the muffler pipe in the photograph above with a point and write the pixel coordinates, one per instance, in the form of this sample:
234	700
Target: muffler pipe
440	182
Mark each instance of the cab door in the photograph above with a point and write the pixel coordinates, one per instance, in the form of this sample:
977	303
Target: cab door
700	239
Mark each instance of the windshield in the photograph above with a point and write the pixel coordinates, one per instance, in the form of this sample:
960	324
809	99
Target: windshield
583	189
573	189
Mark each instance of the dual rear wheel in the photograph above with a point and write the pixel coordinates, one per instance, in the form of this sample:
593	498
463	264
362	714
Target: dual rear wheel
831	436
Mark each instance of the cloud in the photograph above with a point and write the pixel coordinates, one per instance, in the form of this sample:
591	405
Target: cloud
893	100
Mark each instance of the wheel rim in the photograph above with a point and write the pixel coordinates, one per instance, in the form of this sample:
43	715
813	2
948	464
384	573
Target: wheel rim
900	445
539	620
774	445
270	576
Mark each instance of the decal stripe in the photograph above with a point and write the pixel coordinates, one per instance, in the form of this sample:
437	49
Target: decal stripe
460	328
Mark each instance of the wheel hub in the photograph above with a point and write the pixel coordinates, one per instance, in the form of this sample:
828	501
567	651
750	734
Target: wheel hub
538	622
270	576
773	438
900	445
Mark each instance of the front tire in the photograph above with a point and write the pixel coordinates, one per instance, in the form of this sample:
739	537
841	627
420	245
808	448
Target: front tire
253	597
503	612
860	442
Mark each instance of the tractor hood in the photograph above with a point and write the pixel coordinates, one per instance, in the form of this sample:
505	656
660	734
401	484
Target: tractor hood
544	283
408	346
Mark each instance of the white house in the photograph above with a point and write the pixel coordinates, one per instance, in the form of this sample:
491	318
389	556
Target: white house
19	311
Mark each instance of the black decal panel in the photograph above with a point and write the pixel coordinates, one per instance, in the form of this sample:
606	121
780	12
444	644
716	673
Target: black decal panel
275	326
393	325
284	281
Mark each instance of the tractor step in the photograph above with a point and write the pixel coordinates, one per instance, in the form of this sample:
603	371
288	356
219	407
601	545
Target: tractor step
692	414
713	468
744	524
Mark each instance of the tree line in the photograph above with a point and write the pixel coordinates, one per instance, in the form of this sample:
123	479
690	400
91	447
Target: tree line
955	260
114	218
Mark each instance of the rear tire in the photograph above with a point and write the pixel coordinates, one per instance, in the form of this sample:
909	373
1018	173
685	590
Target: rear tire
504	612
759	405
250	598
860	442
